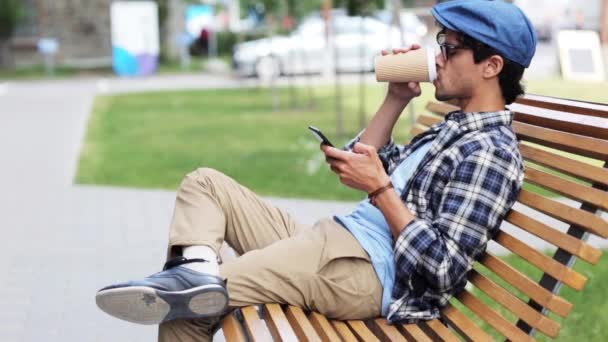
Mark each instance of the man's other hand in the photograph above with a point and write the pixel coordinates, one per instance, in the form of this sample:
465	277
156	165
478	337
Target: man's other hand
361	169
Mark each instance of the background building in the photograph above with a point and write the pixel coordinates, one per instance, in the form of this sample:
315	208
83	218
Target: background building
82	29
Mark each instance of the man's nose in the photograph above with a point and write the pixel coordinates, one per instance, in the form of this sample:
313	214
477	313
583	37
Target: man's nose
439	59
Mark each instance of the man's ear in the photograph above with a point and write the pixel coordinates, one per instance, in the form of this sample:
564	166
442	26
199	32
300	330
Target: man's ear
493	66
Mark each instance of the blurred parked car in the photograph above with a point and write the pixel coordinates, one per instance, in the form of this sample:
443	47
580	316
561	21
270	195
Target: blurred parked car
409	21
357	40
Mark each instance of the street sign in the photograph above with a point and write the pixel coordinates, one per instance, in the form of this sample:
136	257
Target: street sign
48	46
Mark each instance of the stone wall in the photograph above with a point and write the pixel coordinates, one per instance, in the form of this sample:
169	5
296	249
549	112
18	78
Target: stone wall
82	28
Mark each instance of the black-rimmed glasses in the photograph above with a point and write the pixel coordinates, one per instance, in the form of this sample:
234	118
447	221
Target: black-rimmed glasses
446	48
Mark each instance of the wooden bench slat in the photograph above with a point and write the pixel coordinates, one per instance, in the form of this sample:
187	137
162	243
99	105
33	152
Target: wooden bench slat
564	105
344	331
515	305
443	332
256	329
577	247
323	328
526	285
566	165
493	318
584	219
543	262
578	144
464	325
301	326
440	108
426	120
361	330
416	130
540	117
414	333
567	188
231	327
385	331
278	324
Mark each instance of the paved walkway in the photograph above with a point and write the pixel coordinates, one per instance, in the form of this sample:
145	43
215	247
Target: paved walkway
61	242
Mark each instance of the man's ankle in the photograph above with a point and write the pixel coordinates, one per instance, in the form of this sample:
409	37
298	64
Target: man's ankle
201	252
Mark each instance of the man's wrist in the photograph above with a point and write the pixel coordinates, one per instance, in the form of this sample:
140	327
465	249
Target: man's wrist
379	183
372	196
397	101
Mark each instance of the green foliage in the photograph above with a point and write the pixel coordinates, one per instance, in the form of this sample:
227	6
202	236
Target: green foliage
271	5
359	7
298	9
11	12
408	3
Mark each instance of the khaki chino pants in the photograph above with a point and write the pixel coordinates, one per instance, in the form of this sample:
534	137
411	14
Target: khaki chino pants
320	267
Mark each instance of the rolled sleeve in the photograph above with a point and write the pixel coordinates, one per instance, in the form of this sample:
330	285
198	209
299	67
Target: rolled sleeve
390	154
479	193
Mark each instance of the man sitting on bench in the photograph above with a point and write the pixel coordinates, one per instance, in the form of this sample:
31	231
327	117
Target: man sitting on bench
403	252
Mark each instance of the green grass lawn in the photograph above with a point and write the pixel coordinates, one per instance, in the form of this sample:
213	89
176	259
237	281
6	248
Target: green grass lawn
587	320
36	72
151	140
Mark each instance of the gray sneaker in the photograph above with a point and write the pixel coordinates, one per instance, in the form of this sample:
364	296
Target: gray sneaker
175	293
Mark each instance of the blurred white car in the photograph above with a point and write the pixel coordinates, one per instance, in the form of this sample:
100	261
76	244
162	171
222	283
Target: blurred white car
409	21
358	41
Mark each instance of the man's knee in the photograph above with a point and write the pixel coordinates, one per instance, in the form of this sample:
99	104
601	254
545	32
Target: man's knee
204	174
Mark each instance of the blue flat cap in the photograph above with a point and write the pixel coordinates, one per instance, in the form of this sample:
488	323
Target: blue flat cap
498	24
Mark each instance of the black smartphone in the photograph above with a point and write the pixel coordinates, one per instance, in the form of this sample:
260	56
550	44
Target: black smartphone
320	136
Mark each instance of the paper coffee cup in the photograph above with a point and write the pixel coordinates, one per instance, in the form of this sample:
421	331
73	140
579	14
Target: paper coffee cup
413	66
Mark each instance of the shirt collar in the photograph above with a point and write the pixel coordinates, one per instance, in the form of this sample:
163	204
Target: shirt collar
479	120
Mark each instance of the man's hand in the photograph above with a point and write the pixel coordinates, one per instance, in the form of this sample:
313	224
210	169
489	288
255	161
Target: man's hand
403	92
361	169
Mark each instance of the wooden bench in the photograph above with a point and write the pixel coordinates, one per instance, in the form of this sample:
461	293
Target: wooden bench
550	132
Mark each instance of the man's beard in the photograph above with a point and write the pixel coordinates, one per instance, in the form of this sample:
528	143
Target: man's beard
443	97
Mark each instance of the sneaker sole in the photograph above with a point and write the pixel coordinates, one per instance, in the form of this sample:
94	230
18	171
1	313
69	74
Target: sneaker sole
145	305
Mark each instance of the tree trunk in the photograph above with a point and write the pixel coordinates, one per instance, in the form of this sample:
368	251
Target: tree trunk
6	54
338	85
290	79
604	22
396	20
330	30
276	101
362	119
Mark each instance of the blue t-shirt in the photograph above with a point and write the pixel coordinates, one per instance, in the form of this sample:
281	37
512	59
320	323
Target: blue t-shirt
369	227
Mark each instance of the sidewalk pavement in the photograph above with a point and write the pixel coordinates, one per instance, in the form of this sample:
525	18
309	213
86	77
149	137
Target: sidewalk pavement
62	242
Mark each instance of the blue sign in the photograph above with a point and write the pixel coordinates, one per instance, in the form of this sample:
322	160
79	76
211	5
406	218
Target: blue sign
48	46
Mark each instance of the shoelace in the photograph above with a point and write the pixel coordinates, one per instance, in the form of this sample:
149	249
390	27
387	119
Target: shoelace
180	260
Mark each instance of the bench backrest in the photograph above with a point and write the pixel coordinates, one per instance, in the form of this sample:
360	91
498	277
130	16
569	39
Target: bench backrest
565	146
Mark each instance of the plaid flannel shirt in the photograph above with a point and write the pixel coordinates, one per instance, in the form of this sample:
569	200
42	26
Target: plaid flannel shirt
459	193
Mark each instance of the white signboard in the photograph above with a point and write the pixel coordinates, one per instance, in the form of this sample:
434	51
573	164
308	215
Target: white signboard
135	38
581	55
